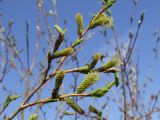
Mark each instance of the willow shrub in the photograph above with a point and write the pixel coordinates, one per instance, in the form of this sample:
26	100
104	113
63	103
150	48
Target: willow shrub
92	73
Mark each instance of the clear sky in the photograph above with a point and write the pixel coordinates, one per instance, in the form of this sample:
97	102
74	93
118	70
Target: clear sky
22	10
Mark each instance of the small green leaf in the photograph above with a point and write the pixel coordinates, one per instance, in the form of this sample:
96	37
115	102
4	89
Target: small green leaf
58	29
65	30
9	99
33	117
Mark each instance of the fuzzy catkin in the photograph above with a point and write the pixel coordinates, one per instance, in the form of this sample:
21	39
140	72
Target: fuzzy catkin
65	52
58	83
96	57
74	106
89	80
59	79
113	62
101	20
79	21
102	91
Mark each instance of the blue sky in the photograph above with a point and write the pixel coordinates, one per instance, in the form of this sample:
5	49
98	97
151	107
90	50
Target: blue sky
22	10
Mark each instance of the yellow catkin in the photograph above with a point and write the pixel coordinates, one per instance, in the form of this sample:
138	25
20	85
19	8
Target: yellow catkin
101	20
89	80
79	21
65	52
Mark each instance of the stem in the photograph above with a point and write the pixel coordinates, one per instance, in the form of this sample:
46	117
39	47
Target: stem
122	75
44	101
74	94
110	70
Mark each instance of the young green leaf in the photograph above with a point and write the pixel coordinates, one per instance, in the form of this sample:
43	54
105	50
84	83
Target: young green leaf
60	39
59	30
8	100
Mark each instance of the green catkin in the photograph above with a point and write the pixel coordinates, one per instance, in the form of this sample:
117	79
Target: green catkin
116	75
58	42
89	80
101	20
84	69
60	39
79	21
65	52
59	79
94	110
113	62
96	57
102	91
58	83
74	106
88	67
77	42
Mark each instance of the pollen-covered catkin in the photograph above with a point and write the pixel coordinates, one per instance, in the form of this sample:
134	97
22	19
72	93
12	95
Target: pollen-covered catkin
65	52
101	20
89	80
79	21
